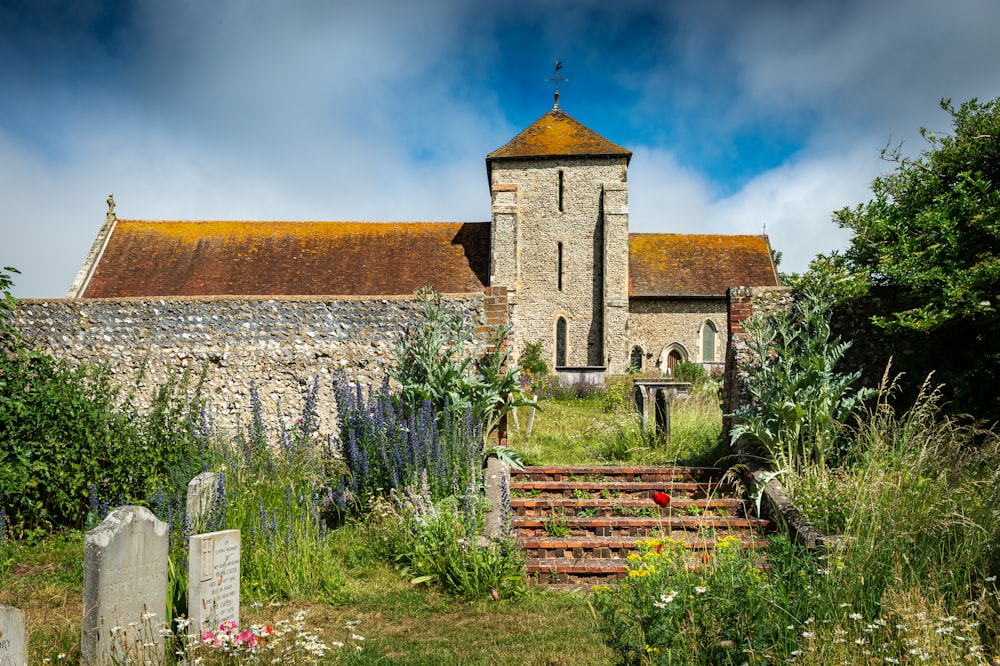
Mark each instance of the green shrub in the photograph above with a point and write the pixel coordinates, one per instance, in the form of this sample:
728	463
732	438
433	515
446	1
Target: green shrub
695	373
440	543
274	492
531	359
437	362
723	610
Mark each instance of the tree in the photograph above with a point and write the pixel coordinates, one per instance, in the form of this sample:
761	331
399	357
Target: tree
932	234
933	228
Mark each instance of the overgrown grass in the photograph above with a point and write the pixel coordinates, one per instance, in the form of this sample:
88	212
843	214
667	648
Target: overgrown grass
919	509
603	427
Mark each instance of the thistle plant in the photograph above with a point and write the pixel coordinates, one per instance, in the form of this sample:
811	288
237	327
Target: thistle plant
800	400
440	362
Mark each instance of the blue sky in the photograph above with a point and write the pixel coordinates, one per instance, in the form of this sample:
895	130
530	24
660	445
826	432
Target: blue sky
739	114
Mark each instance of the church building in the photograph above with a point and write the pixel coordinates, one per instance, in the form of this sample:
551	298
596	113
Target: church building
597	297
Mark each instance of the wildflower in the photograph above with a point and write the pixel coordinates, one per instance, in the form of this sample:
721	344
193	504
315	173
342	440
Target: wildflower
661	498
808	634
855	616
700	589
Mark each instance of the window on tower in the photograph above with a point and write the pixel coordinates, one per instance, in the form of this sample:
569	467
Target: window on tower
560	342
559	265
560	190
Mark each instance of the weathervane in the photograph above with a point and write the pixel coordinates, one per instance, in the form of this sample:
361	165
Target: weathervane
557	79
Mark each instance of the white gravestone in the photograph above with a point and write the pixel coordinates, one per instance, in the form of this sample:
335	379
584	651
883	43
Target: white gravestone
200	496
214	580
125	588
13	638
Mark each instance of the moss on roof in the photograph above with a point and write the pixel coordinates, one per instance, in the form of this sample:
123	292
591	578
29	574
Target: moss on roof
557	134
179	258
697	264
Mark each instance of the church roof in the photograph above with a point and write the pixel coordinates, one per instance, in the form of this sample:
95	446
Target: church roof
178	258
556	134
688	265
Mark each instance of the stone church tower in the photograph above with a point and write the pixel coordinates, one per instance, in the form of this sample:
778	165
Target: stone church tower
560	241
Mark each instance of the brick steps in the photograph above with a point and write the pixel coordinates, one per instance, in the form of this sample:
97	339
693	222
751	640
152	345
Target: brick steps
578	525
624	506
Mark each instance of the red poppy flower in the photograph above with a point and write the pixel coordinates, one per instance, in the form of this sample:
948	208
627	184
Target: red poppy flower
661	498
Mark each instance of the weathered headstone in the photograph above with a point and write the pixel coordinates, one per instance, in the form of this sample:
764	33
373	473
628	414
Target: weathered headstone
214	579
125	588
13	638
200	496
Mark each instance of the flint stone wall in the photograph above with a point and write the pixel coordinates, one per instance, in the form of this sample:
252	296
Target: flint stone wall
281	344
655	323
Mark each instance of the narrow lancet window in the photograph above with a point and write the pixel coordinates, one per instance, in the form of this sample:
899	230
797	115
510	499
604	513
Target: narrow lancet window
559	265
560	191
560	342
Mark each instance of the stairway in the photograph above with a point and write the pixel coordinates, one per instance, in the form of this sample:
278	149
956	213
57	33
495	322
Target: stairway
578	525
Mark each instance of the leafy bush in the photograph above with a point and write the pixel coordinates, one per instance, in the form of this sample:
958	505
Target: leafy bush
695	373
721	611
531	360
274	490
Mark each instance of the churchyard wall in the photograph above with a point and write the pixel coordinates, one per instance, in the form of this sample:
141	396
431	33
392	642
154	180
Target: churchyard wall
280	344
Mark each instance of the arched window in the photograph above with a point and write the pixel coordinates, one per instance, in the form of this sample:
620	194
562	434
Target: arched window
560	342
635	359
708	333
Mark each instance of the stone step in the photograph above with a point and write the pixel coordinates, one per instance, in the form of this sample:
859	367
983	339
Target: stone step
541	548
606	473
626	506
624	526
571	572
616	489
579	524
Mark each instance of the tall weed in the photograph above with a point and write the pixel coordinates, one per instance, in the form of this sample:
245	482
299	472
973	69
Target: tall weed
274	488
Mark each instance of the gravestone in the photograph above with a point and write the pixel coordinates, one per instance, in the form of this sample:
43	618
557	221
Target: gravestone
124	588
213	579
200	496
13	638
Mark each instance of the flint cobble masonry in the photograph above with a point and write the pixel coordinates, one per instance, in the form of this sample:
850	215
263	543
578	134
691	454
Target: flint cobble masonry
280	344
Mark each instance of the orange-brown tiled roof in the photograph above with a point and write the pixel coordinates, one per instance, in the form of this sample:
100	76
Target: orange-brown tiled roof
697	265
290	259
556	134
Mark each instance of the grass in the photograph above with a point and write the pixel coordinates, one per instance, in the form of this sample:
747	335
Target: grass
604	428
402	624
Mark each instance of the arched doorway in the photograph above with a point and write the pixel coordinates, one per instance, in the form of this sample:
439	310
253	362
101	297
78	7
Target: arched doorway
671	355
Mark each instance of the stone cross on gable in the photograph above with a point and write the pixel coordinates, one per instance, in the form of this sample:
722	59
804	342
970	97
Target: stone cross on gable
556	78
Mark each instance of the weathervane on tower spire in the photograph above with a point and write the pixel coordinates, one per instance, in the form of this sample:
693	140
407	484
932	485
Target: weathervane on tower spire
557	79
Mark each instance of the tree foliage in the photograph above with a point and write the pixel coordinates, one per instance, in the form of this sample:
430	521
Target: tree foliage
933	226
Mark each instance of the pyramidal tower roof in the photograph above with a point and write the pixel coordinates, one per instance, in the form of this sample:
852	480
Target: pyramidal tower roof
556	134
